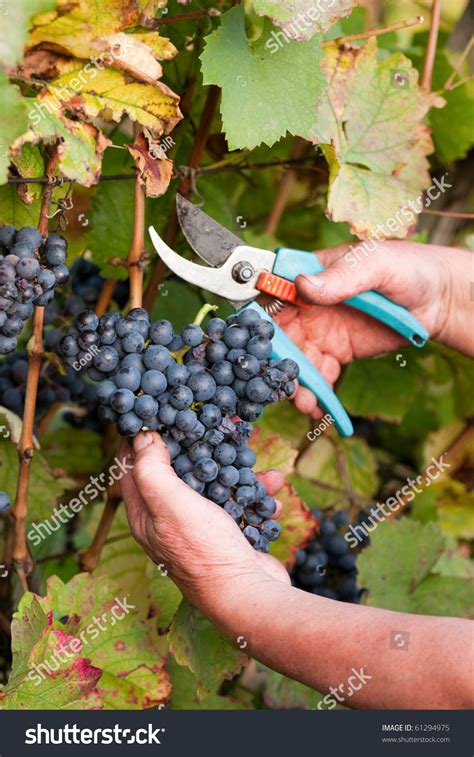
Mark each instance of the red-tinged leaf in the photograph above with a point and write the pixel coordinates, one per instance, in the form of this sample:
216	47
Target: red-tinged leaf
115	637
43	657
298	526
154	174
273	452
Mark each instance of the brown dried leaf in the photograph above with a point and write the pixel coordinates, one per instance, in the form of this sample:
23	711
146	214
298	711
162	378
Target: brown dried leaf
154	174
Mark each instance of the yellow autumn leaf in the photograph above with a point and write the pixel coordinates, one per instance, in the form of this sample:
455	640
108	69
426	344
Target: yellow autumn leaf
90	92
76	26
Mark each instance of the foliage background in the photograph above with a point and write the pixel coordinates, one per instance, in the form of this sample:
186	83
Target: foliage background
266	165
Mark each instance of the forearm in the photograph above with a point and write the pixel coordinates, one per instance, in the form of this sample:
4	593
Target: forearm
324	643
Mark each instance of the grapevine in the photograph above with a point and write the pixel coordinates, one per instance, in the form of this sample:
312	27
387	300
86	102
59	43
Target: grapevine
305	136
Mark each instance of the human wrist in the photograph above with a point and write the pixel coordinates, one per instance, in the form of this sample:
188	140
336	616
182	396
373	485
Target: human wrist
232	602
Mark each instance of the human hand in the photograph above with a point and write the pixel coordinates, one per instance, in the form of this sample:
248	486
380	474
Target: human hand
419	277
199	544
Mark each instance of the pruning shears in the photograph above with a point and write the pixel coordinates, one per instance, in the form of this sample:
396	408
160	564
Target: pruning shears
241	273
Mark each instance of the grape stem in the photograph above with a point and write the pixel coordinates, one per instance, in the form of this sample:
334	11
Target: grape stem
203	312
136	254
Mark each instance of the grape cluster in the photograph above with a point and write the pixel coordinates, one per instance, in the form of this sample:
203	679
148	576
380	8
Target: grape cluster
189	387
53	386
4	502
29	271
328	566
87	283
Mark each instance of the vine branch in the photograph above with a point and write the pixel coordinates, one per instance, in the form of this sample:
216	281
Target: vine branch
91	557
432	43
185	186
413	21
456	70
21	557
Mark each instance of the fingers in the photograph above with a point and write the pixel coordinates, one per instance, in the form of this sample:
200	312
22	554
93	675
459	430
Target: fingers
306	403
133	500
152	473
273	480
352	269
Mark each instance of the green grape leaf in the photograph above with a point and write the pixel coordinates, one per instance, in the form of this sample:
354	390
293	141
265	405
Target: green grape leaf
282	693
450	504
80	452
381	388
283	418
298	526
14	111
30	164
14	211
319	464
445	596
407	584
37	644
165	595
265	93
452	130
184	692
176	302
196	644
14	29
109	232
124	561
273	452
453	562
115	638
370	127
302	19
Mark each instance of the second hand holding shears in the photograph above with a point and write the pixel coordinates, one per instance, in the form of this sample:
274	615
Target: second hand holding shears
241	273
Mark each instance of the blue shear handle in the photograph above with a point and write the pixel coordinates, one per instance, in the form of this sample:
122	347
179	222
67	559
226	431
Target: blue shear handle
290	263
283	347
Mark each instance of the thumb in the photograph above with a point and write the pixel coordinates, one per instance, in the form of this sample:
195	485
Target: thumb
152	472
342	279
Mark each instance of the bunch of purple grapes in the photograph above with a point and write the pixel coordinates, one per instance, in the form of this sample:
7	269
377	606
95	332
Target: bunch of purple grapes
29	271
328	566
191	387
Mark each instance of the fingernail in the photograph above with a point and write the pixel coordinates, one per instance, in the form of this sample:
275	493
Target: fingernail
142	441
